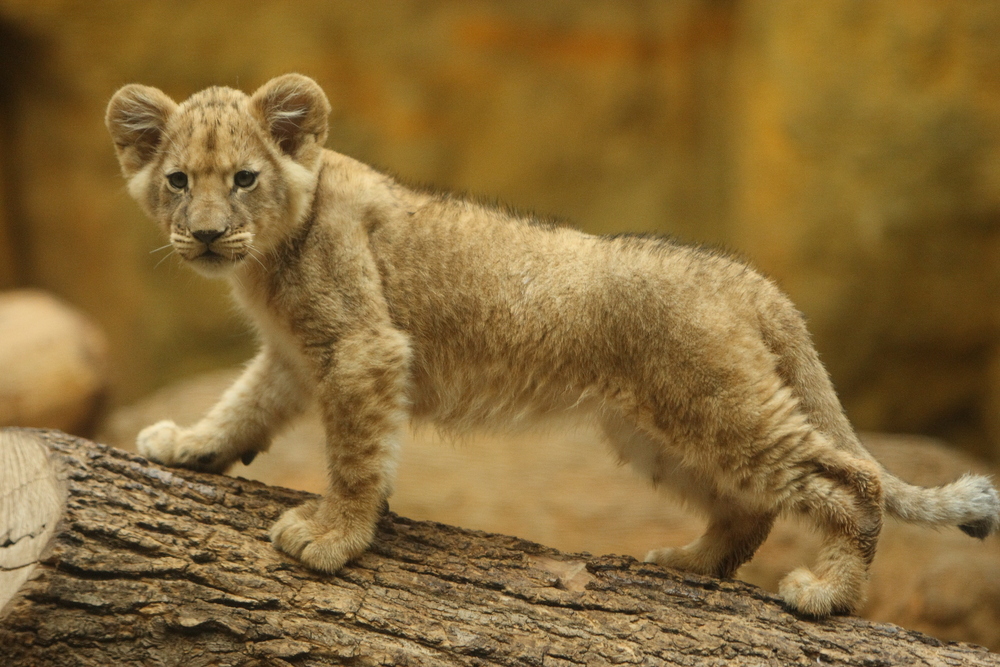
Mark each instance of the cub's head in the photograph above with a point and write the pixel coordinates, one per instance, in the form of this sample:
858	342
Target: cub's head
226	175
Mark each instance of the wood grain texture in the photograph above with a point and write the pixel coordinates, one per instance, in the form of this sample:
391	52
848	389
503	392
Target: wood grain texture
169	567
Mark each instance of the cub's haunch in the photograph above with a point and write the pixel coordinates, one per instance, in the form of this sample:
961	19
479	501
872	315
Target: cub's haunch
389	304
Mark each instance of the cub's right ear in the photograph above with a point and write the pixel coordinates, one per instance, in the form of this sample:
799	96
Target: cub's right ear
136	118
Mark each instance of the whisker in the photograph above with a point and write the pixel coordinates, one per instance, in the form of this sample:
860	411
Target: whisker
253	252
162	247
163	259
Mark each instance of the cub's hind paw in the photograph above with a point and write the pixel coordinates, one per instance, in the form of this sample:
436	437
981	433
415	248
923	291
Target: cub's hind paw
809	595
678	558
300	533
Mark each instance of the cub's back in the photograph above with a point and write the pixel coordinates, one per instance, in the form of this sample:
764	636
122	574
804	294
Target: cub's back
477	288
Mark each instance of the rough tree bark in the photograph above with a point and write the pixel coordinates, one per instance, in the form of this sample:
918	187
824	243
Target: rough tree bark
149	566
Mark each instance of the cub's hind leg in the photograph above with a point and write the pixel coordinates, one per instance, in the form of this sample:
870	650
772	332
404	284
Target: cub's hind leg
734	532
780	463
732	538
843	496
793	467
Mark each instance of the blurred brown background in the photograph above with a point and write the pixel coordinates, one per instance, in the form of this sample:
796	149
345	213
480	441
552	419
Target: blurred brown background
848	148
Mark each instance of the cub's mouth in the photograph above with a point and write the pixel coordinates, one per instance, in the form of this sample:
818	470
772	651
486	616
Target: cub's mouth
212	259
215	253
216	257
211	262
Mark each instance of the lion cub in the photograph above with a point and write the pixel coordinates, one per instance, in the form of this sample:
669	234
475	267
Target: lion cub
389	304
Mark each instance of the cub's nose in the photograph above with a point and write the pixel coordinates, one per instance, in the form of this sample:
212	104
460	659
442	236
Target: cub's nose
206	236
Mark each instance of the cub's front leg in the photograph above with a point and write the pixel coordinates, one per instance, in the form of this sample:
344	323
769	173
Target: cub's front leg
266	396
362	395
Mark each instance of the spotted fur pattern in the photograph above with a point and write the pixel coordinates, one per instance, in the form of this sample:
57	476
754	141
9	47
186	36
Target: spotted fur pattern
389	304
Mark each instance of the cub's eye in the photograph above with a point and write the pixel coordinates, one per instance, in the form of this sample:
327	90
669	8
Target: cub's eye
177	180
244	179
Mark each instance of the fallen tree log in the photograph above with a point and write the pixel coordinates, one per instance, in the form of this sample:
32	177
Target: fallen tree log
111	559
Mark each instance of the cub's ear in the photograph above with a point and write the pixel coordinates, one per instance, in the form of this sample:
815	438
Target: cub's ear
136	118
294	110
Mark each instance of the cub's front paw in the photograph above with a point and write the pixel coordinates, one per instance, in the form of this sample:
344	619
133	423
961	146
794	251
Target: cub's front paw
322	543
167	443
159	442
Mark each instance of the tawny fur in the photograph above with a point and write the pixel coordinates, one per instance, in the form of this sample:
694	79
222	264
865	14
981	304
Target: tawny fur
389	304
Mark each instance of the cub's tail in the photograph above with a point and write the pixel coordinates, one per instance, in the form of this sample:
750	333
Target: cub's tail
971	503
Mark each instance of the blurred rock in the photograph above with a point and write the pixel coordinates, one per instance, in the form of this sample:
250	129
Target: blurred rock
53	364
561	487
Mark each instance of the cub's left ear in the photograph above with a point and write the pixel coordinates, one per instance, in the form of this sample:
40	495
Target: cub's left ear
294	110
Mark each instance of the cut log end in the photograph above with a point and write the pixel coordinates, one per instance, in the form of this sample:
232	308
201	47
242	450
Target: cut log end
32	500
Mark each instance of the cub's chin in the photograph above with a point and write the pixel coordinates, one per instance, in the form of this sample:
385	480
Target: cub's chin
214	265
